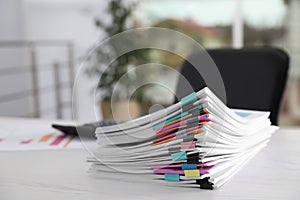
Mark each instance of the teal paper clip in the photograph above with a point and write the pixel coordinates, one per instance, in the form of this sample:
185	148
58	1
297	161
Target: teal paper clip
200	106
172	177
189	98
179	156
186	166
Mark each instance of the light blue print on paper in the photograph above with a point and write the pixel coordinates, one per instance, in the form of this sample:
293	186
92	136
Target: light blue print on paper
243	114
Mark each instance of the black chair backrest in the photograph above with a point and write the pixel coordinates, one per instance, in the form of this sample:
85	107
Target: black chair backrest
254	78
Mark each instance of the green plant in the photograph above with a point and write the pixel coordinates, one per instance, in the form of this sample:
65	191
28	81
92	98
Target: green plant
121	16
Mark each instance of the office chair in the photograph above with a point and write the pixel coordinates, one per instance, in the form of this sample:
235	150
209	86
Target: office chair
254	78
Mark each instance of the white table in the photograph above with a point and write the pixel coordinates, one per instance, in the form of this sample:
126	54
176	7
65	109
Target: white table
273	174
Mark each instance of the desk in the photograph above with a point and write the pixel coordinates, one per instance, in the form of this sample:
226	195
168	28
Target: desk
273	174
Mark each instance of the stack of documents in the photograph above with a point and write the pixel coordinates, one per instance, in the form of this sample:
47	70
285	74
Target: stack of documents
198	141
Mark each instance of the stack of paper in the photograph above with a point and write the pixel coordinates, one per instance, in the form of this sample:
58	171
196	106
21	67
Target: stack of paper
198	141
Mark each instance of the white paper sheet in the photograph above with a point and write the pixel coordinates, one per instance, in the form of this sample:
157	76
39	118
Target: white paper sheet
33	134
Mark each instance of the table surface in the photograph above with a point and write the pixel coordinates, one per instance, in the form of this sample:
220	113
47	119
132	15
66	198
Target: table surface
273	174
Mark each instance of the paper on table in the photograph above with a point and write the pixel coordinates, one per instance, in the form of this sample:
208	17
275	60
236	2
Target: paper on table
16	135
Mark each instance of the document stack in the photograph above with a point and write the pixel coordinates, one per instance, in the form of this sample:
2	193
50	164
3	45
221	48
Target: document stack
198	142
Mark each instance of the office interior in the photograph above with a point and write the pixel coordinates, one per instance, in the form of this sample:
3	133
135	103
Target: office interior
43	43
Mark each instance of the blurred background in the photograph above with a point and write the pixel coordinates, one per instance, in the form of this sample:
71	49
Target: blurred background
42	43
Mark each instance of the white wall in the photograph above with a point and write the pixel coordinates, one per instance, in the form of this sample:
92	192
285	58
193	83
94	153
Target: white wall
11	19
64	20
46	20
12	28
